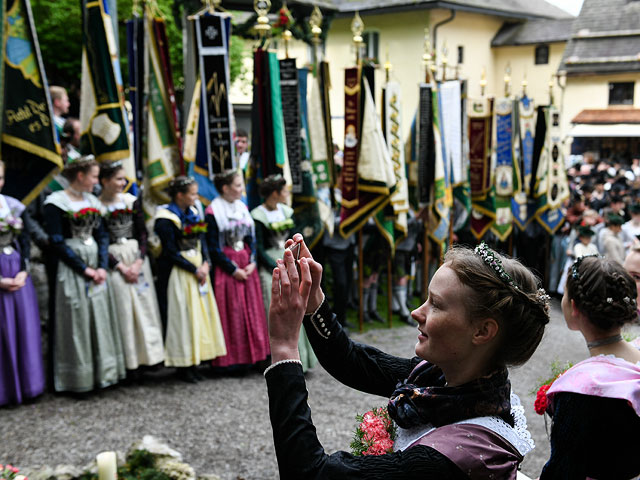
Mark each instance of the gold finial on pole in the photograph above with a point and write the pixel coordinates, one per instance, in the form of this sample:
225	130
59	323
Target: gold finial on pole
426	54
483	82
357	27
286	34
525	84
316	30
387	67
445	61
262	26
507	80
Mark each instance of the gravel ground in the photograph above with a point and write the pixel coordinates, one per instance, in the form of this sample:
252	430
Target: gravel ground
221	425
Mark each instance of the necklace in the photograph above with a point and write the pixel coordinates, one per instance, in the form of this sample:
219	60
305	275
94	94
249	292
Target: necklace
77	193
604	341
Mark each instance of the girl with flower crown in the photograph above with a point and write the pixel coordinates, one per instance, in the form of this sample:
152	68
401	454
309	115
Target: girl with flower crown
187	303
456	414
133	294
87	347
230	238
595	404
21	371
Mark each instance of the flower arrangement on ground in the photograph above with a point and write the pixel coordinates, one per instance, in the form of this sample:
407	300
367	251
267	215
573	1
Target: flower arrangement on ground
9	472
375	434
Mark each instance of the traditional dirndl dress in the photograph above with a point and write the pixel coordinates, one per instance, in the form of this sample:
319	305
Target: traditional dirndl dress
135	304
21	367
87	342
194	333
230	231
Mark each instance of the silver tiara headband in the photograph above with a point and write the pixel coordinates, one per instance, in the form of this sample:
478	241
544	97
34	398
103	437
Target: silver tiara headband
490	257
493	261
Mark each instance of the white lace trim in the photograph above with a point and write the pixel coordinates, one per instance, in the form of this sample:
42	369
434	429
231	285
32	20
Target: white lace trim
518	435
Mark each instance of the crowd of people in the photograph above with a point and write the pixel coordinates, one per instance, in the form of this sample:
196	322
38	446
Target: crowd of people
223	287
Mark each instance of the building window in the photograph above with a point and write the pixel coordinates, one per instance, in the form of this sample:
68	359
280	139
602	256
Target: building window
460	54
371	42
621	93
542	55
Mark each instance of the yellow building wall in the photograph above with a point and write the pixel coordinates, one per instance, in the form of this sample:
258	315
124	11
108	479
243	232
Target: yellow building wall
522	62
592	92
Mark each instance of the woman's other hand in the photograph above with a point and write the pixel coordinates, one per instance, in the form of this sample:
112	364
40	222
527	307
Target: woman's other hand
316	296
289	297
8	284
249	269
240	274
100	276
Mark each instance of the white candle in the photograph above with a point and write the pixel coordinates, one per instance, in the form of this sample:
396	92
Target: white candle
107	466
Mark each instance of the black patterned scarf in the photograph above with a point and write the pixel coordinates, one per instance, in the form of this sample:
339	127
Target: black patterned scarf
424	399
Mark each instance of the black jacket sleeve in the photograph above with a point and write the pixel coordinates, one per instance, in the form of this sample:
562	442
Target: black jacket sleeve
54	226
139	227
101	234
36	230
24	242
264	259
358	366
167	232
301	456
218	257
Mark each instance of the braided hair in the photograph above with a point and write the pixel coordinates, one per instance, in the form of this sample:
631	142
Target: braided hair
603	291
518	304
180	184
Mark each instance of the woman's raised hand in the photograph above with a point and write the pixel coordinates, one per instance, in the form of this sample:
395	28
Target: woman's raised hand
316	297
289	297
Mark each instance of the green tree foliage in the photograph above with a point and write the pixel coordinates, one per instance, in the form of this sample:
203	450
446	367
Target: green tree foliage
59	27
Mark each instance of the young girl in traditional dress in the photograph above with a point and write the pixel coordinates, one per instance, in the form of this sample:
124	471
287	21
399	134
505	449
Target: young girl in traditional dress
187	303
230	235
21	367
133	294
274	224
87	343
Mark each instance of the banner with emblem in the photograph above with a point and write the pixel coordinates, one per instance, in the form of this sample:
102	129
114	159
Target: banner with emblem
426	148
103	122
212	36
162	155
504	174
439	220
461	187
480	113
136	57
372	168
523	206
552	186
308	211
320	152
392	114
30	147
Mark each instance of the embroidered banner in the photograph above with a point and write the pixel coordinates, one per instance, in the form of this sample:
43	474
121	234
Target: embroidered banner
504	168
30	147
161	153
373	167
425	145
307	209
136	57
279	137
393	133
439	220
480	139
212	34
318	133
462	189
522	207
291	114
351	137
325	81
551	181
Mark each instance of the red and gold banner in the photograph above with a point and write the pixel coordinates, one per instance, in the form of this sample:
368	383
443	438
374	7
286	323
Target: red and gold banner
351	137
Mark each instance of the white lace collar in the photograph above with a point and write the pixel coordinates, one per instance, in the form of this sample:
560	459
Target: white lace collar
518	435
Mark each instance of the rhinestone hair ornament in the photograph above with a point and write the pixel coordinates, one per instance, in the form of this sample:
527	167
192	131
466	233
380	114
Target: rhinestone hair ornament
491	259
182	181
575	274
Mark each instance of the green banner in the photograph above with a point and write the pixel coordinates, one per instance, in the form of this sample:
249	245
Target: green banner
30	148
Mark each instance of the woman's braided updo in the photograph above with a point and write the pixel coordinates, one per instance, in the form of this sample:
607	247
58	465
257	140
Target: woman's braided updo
603	291
521	309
